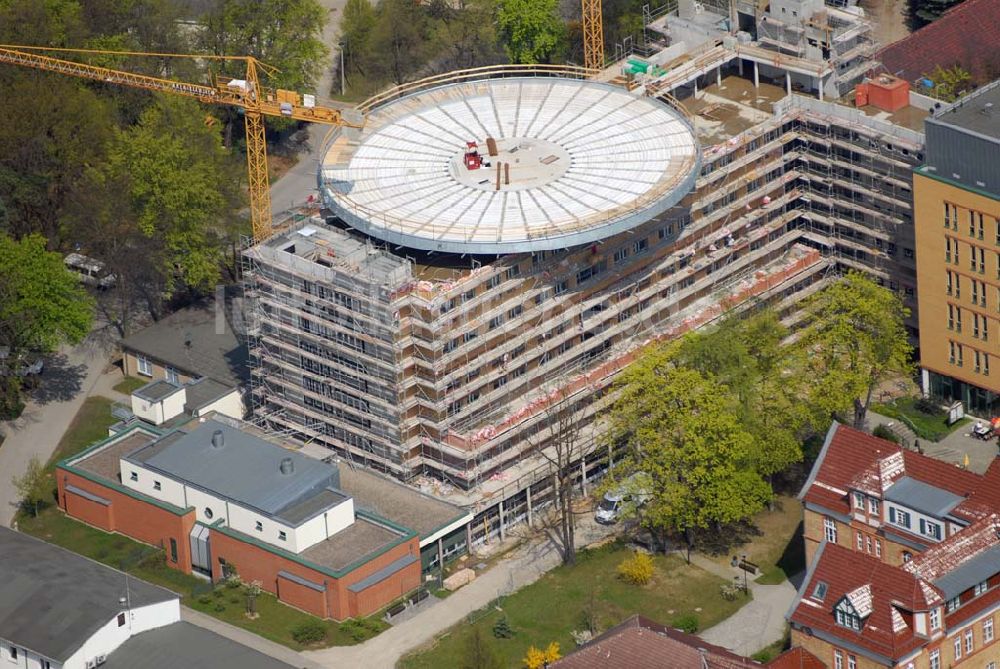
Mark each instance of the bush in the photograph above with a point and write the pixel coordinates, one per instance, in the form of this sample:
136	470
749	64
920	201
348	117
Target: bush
927	405
360	629
502	628
883	432
637	570
220	607
234	600
312	631
686	623
205	599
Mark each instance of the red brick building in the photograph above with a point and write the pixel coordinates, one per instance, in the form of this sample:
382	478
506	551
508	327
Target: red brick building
217	498
904	559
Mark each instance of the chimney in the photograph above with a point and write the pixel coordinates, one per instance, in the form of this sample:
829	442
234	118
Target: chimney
218	439
287	466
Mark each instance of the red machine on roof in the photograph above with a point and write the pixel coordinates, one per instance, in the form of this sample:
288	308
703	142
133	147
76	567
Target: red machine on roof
473	161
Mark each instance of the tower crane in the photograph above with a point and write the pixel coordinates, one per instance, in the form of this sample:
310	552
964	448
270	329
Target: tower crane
593	34
245	94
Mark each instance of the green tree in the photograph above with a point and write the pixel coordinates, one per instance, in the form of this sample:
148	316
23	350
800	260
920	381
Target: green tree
285	34
923	12
746	355
356	27
853	339
182	185
949	84
530	30
693	462
31	486
480	652
41	303
467	36
401	38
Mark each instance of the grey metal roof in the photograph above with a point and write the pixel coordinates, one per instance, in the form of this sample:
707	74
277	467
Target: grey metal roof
302	510
972	113
157	390
52	600
969	573
245	469
185	645
922	497
198	341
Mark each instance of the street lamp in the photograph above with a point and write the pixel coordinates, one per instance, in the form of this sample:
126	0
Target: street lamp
743	565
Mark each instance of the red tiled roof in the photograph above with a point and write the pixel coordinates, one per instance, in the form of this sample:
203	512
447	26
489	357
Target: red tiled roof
640	643
891	589
966	35
852	460
942	558
796	658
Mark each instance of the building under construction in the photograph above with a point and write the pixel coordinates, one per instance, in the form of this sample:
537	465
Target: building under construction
497	246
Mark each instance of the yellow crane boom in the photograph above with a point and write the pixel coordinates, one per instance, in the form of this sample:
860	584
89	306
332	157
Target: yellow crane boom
247	94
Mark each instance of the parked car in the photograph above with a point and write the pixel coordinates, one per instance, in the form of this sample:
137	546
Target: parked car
90	271
609	509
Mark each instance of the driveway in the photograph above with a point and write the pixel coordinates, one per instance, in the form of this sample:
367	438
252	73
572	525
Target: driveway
298	183
69	377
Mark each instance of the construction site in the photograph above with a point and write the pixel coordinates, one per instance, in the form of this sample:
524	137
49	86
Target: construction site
495	245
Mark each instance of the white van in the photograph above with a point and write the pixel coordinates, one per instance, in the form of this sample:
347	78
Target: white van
90	271
610	507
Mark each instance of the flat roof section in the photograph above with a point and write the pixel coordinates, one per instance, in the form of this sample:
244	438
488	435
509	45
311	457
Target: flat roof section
586	159
105	463
355	542
403	505
977	112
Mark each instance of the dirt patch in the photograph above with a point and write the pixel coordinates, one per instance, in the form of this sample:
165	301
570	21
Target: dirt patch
888	18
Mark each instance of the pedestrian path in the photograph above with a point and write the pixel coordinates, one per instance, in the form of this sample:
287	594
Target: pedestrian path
757	624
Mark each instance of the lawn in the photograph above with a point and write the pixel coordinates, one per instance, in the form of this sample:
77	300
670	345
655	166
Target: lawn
929	426
130	384
562	600
275	621
774	542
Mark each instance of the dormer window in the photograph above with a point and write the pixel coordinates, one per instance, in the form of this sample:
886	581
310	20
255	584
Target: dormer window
873	506
859	501
847	615
930	529
819	592
953	604
981	588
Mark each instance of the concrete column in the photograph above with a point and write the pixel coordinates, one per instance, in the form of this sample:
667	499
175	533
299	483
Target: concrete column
925	382
527	494
788	82
441	554
583	476
819	87
756	75
468	537
503	530
695	87
718	76
739	64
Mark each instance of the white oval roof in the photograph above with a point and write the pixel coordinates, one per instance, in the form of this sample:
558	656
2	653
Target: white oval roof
586	160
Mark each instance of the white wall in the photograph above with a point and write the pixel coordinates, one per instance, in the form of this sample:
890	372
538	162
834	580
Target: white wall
174	404
915	517
245	521
230	405
340	517
159	412
110	636
170	491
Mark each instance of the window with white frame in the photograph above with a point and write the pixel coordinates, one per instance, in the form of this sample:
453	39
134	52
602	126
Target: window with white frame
838	660
143	365
859	500
968	641
852	662
988	630
171	375
873	506
935	618
930	529
953	604
899	517
958	647
935	658
860	541
830	530
991	665
878	548
981	588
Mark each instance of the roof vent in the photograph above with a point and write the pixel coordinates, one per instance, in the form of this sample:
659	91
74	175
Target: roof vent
287	466
218	439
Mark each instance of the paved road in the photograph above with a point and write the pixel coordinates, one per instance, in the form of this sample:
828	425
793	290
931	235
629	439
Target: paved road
69	377
759	623
249	639
296	185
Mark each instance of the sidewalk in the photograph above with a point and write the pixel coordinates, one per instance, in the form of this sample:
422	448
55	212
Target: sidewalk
69	378
759	623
